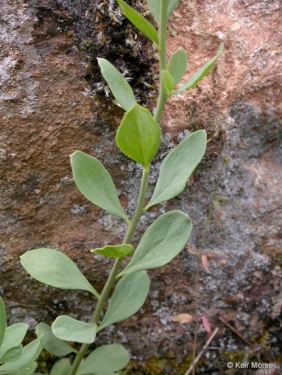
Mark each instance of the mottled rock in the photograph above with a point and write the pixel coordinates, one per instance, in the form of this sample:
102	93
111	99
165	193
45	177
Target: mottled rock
53	102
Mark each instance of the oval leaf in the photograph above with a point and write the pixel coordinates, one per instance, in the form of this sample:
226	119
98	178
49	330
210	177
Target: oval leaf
14	335
56	269
69	329
28	370
167	80
118	84
11	355
200	74
3	323
61	367
114	251
177	65
139	21
178	166
128	297
154	6
138	135
162	241
51	343
106	358
95	183
29	353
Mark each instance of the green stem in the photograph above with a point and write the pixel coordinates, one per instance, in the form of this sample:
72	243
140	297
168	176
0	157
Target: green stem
162	57
112	277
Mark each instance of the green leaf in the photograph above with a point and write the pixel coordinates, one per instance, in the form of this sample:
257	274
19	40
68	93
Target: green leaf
138	135
106	358
56	269
200	74
162	241
178	166
114	251
28	370
11	354
29	354
51	343
177	65
167	80
61	367
95	183
3	323
14	335
154	6
128	297
118	84
70	329
139	21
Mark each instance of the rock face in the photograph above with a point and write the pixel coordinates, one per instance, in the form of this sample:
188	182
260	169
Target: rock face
53	102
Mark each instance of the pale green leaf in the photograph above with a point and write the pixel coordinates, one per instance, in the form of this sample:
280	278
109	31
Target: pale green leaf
139	21
29	353
167	80
56	269
200	74
154	6
178	166
177	65
138	135
28	370
114	251
216	205
95	183
106	358
14	336
69	329
51	343
118	84
128	297
61	367
11	354
3	323
162	241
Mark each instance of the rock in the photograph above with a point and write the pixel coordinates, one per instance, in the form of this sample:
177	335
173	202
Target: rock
53	102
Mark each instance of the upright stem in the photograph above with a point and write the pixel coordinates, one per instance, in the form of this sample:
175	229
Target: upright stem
162	56
112	277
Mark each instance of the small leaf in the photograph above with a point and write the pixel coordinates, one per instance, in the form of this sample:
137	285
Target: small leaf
216	205
106	358
177	65
51	343
114	251
14	336
162	241
3	323
29	353
178	166
69	329
182	318
205	263
128	297
200	74
154	6
11	354
139	21
118	84
138	135
95	183
54	268
167	80
61	367
222	198
206	324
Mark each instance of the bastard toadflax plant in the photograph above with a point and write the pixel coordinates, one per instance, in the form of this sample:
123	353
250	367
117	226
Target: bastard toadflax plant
138	137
